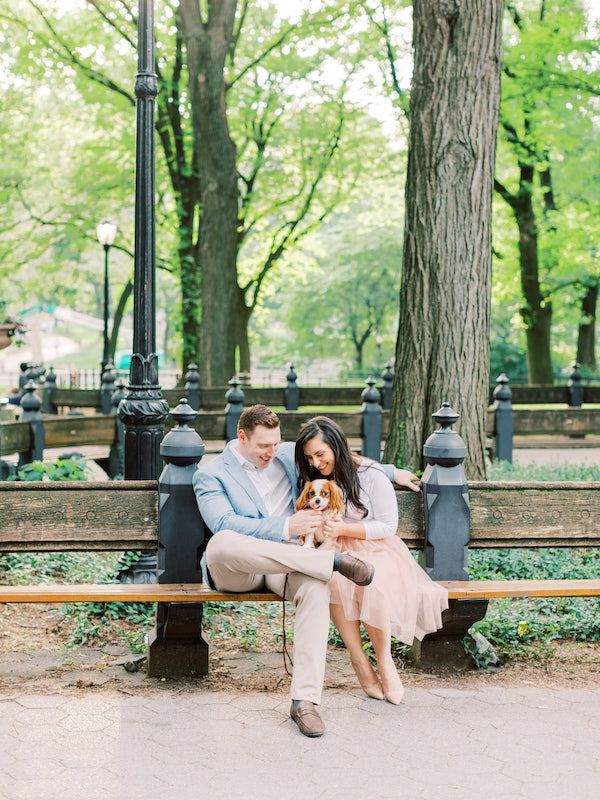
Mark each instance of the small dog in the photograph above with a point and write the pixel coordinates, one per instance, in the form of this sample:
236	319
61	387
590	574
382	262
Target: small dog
320	495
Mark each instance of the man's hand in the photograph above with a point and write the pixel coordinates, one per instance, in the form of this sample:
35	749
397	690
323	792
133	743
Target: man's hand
305	521
405	478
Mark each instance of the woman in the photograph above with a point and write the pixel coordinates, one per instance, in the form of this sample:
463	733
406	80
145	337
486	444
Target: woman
402	600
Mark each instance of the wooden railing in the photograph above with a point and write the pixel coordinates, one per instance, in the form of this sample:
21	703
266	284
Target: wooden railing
100	429
214	399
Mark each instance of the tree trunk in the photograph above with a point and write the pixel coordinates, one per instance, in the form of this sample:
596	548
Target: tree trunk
586	339
358	354
537	312
537	333
207	45
242	322
166	339
442	350
189	281
117	319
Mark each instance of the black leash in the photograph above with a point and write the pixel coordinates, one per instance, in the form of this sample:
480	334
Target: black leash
284	650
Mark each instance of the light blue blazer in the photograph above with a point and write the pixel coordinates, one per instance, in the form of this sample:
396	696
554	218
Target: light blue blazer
228	500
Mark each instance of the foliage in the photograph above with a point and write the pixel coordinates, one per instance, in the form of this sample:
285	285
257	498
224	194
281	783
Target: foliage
91	623
63	469
557	563
507	354
547	161
338	296
282	112
76	567
299	139
511	625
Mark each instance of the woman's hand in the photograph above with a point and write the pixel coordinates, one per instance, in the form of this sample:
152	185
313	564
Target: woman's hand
334	527
405	478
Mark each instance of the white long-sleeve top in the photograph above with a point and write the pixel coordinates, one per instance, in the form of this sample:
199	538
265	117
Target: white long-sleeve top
378	496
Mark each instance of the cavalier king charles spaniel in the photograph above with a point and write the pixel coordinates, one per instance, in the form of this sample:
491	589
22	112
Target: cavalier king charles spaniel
320	495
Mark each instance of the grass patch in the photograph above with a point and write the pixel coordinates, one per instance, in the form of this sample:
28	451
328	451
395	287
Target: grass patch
552	407
503	471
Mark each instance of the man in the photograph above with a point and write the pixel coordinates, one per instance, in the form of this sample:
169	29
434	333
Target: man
246	497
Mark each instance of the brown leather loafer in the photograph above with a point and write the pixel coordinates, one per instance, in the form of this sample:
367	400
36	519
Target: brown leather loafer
359	572
307	718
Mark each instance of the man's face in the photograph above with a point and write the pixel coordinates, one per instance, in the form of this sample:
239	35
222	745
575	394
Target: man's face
260	446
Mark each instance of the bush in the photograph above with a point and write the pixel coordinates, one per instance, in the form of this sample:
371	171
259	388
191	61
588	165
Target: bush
63	469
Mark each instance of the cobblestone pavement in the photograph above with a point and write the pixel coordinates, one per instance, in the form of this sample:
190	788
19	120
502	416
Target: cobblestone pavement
446	744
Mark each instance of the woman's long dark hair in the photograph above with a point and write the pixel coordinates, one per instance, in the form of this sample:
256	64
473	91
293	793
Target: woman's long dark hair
344	471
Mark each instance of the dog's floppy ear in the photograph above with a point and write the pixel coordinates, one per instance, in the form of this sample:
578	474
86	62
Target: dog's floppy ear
302	501
336	498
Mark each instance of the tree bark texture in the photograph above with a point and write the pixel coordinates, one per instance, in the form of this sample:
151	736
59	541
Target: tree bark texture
586	339
537	311
242	321
442	350
190	300
207	42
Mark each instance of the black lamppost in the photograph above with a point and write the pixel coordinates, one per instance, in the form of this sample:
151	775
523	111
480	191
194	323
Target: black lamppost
143	411
106	232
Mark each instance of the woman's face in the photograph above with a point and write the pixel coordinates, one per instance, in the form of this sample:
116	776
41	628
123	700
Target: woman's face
320	455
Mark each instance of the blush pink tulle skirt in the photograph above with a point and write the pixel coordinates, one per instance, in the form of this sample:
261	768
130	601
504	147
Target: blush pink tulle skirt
401	599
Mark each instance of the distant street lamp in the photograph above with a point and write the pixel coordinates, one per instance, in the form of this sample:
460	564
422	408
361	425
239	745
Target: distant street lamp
106	232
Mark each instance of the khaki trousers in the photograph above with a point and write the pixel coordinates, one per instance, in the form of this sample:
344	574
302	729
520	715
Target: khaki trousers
239	563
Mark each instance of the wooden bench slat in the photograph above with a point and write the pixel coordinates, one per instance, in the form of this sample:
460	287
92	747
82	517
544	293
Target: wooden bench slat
534	511
78	515
201	593
15	437
123	515
523	588
78	431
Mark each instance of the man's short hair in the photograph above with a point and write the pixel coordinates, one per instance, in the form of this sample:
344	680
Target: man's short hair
257	415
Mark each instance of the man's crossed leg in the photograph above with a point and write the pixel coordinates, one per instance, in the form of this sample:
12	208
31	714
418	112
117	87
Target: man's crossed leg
239	563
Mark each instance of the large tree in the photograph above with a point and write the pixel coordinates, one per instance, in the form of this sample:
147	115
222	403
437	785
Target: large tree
442	350
545	119
250	129
545	217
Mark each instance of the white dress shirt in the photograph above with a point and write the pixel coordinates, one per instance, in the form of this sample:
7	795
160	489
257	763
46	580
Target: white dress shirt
272	484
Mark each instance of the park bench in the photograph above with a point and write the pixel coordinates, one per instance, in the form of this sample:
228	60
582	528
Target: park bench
163	516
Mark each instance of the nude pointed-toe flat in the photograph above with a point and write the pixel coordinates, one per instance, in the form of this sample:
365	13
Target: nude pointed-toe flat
393	688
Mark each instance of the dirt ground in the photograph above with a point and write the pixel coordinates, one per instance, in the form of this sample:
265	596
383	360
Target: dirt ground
245	654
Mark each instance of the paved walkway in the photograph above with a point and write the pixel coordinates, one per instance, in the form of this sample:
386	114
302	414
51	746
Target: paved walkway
440	744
